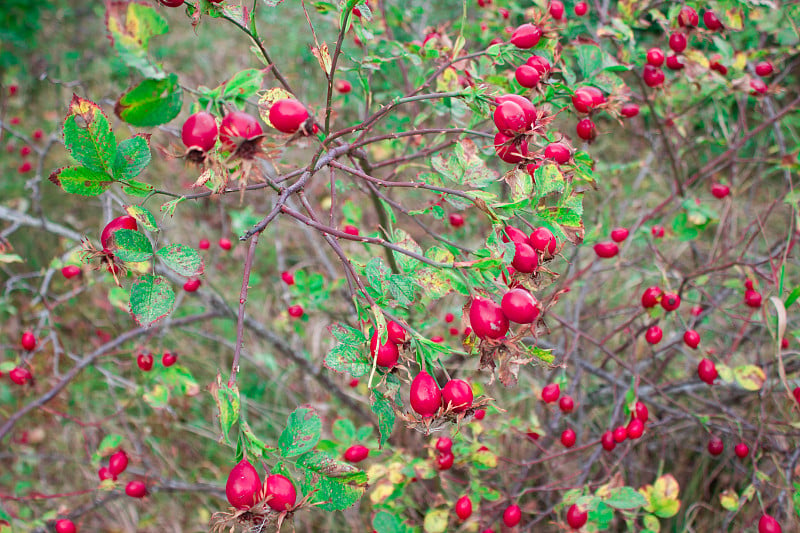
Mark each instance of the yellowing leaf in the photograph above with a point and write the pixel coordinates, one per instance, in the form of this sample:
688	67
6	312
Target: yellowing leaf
396	473
697	57
323	57
485	458
729	500
267	99
749	377
436	521
448	81
382	490
739	61
662	496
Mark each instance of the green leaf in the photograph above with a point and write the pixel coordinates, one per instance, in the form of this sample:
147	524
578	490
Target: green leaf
133	156
183	259
343	430
548	179
385	522
107	445
625	498
144	217
131	26
792	298
88	137
348	354
138	189
243	85
151	103
132	246
180	380
334	482
302	432
152	299
228	404
383	406
81	180
401	288
157	396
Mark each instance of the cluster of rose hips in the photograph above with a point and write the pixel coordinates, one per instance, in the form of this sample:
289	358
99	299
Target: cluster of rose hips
716	447
24	151
20	375
608	249
145	360
427	399
244	489
444	454
117	463
634	429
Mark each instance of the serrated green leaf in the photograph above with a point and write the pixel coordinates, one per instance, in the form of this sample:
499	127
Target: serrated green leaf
385	522
383	406
152	299
228	405
81	180
548	179
348	354
131	26
133	156
242	85
343	430
151	103
138	189
144	217
182	259
302	432
401	288
88	137
626	498
132	246
336	483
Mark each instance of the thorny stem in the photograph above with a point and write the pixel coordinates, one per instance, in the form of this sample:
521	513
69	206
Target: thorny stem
242	301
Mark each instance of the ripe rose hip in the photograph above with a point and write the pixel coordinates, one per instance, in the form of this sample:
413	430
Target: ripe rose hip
136	489
556	9
677	42
688	17
629	110
480	414
586	99
204	244
356	453
449	317
619	234
741	450
172	3
463	507
444	461
674	63
719	190
512	515
620	434
635	429
764	68
107	235
670	301
558	152
607	441
566	404
237	127
508	149
752	299
425	395
71	271
652	76
526	36
28	341
512	234
543	240
20	376
527	76
282	492
526	259
243	485
641	412
691	338
576	516
353	383
65	526
25	151
568	438
655	57
581	8
288	278
342	86
225	243
715	446
25	167
444	444
456	220
651	296
169	358
295	311
711	21
520	306
192	285
487	319
504	13
509	118
707	371
145	361
653	335
551	392
714	64
397	334
539	64
657	231
524	103
105	474
287	115
200	132
757	86
351	230
606	250
458	393
117	463
767	524
586	129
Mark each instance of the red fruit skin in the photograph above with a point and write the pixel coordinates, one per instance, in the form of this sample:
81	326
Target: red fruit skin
543	240
752	299
145	361
619	234
512	515
655	57
657	231
65	526
225	243
351	230
295	311
192	285
287	115
758	86
28	341
117	463
456	220
527	76
487	319
353	383
71	271
764	68
540	64
342	86
688	17
509	150
526	259
556	9
238	126
620	434
635	429
386	354
586	99
172	3
444	461
136	489
576	517
520	306
20	376
691	338
606	250
104	474
654	335
449	317
607	441
25	151
652	76
444	444
356	453
629	110
288	278
568	438
551	392
677	42
243	485
425	395
458	393
674	63
566	404
711	21
670	301
283	493
509	118
25	167
122	222
707	371
641	412
741	450
169	358
200	131
510	233
463	507
715	446
204	244
558	152
524	103
480	414
767	524
397	333
719	190
526	36
586	129
581	8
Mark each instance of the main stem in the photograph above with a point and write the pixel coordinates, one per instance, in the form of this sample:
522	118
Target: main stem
251	251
